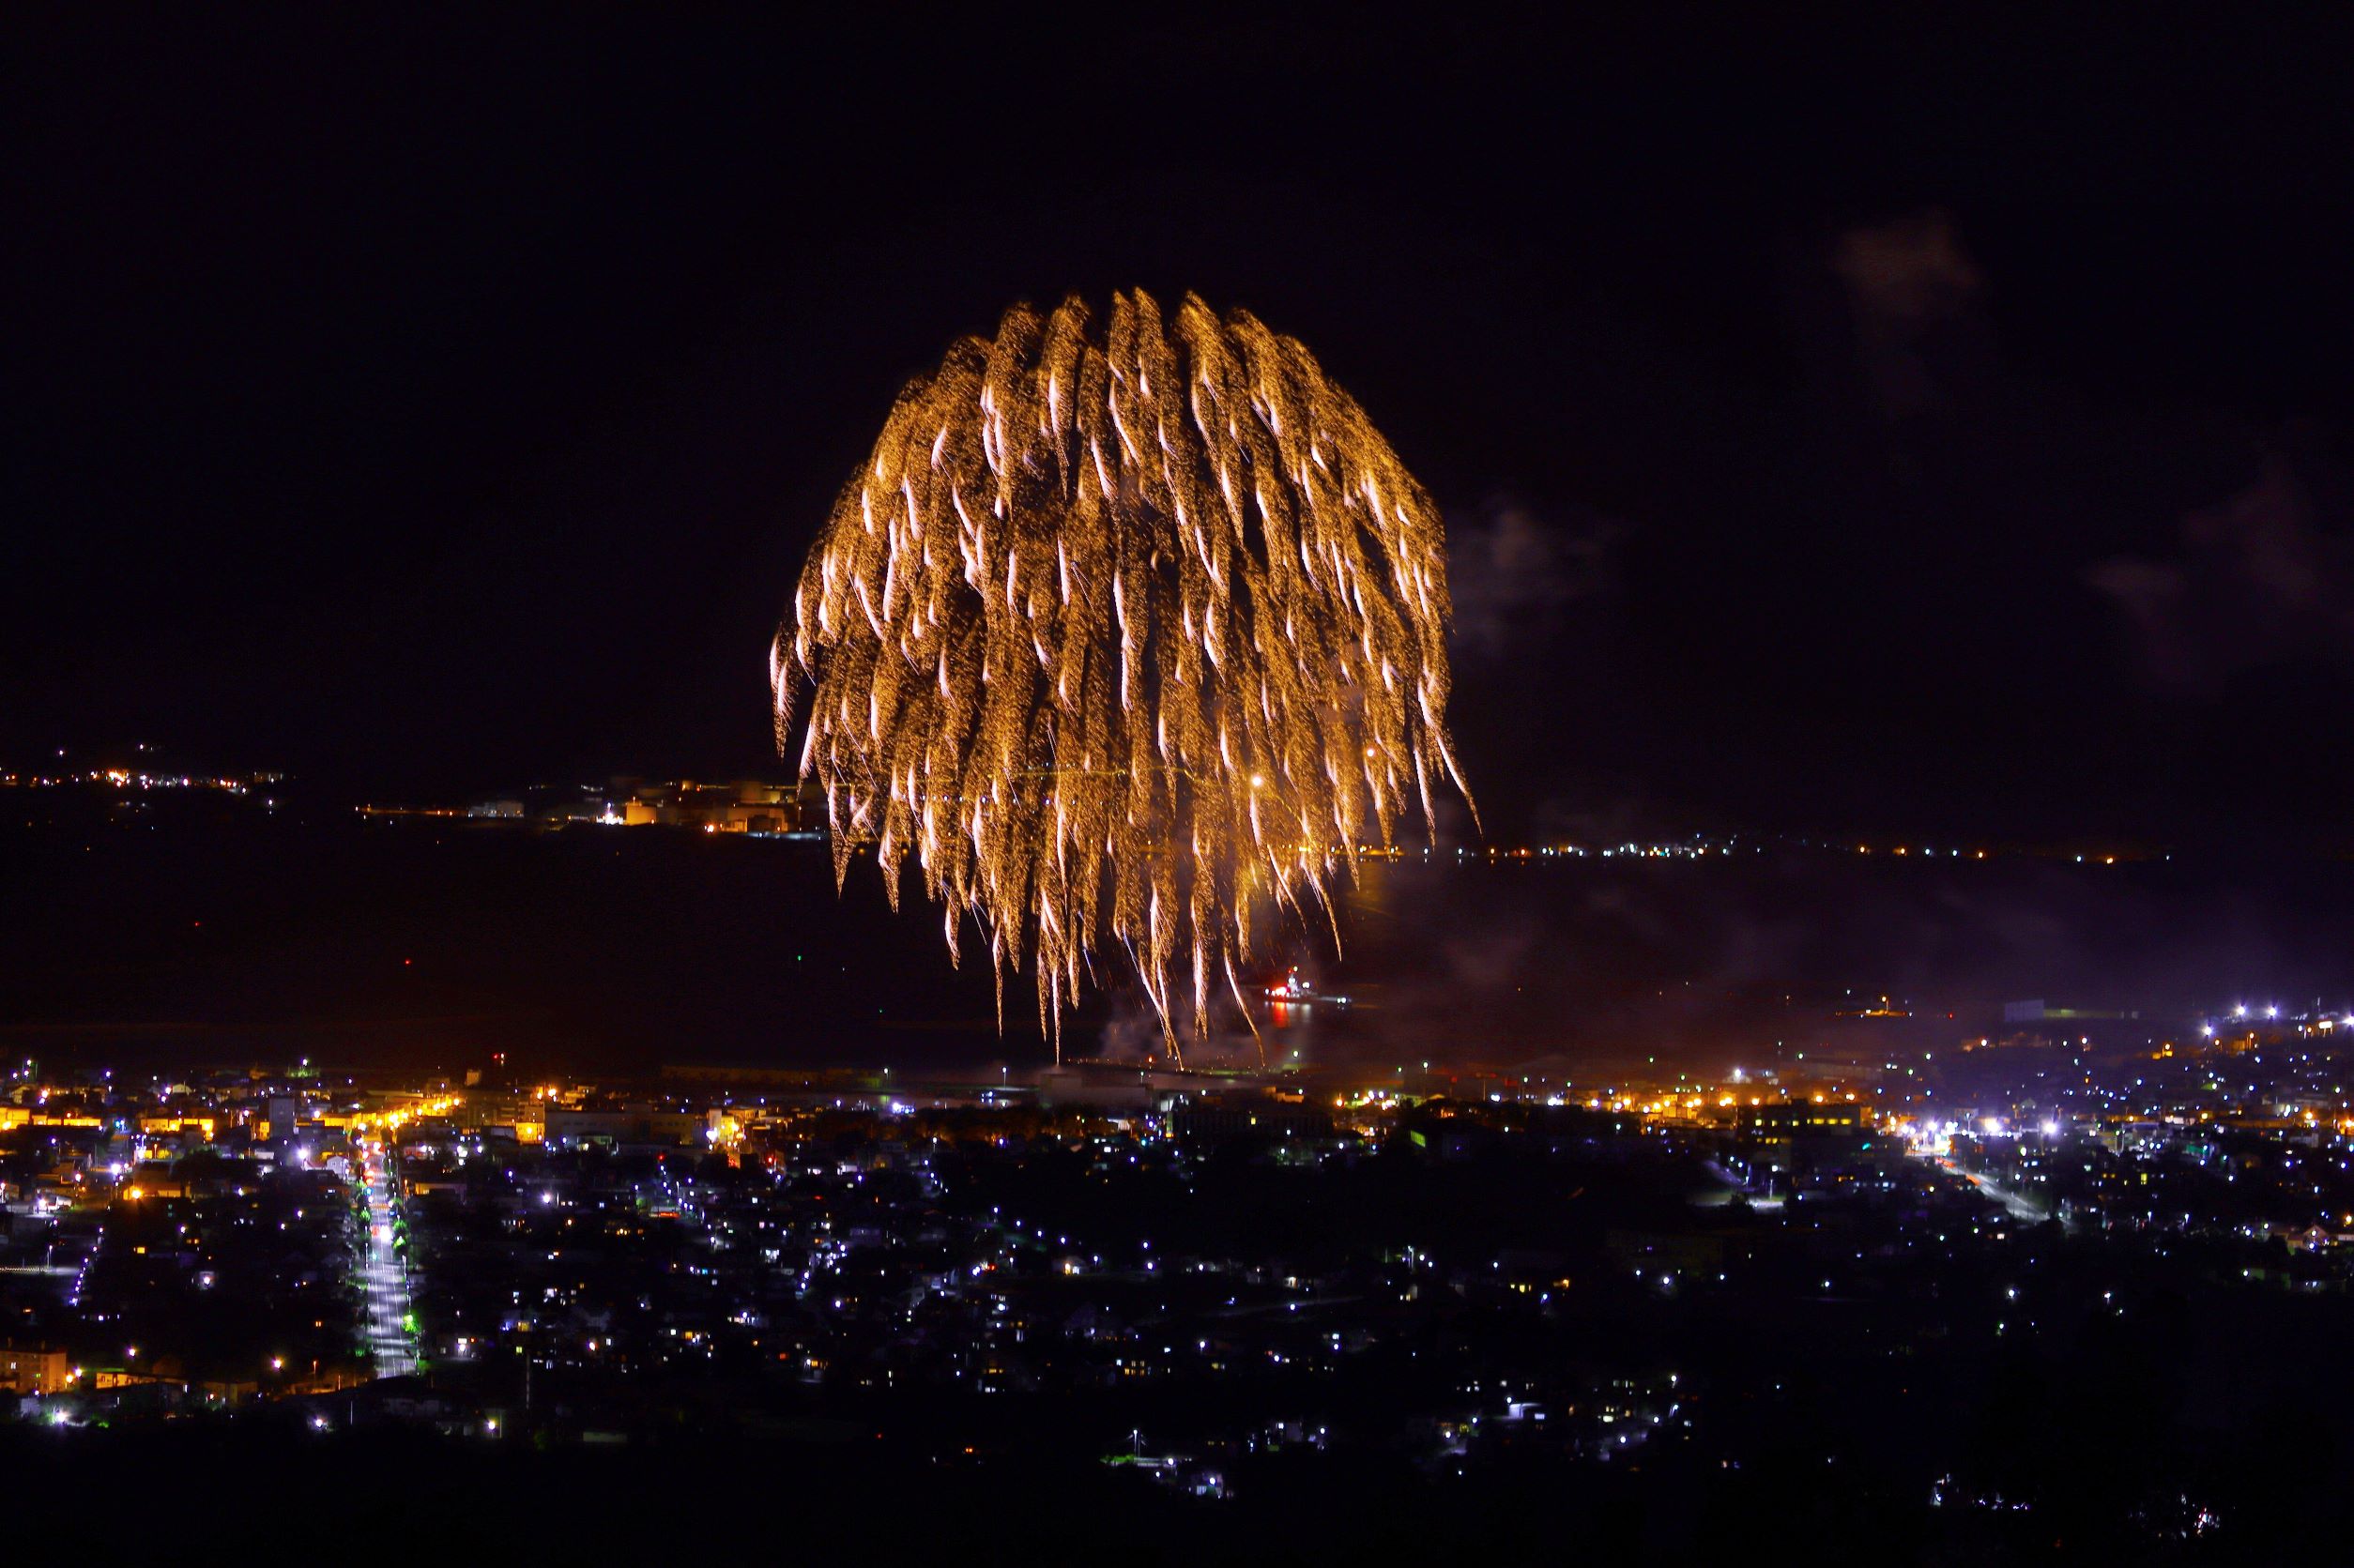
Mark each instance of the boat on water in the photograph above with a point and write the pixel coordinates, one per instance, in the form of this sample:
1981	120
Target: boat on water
1295	991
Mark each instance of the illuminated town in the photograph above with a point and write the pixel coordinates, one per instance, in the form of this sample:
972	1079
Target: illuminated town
1470	1270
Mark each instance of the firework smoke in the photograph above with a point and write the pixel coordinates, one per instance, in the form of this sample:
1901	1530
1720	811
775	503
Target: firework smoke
1126	632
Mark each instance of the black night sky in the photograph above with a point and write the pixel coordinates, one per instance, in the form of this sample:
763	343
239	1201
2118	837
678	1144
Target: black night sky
1841	423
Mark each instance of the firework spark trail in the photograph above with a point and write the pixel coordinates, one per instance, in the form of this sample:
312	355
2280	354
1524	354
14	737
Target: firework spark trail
1122	631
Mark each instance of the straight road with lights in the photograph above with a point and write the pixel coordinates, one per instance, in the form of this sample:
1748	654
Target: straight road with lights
385	1276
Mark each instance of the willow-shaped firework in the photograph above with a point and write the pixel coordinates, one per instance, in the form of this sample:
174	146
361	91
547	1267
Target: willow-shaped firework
1135	633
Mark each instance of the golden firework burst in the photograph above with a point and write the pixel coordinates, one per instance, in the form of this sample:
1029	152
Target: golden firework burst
1130	633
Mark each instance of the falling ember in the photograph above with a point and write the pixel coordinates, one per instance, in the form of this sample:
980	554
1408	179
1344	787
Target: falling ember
1124	630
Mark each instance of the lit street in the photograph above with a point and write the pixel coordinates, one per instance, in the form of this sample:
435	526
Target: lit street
385	1277
2020	1208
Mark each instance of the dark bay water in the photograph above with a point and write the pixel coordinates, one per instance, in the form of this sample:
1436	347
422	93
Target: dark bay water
420	942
